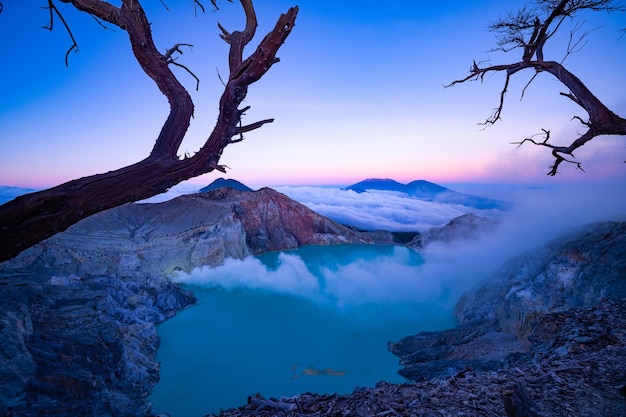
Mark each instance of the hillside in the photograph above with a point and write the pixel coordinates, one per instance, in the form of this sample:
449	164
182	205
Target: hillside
185	232
221	182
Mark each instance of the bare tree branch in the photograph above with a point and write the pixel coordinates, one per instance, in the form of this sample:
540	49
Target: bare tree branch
557	151
30	218
529	31
171	60
176	48
54	11
252	126
213	2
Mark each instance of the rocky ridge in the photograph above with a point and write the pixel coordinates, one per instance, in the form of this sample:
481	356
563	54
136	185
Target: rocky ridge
183	233
467	226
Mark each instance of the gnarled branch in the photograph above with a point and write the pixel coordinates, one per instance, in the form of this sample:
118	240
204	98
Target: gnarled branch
34	217
526	30
252	126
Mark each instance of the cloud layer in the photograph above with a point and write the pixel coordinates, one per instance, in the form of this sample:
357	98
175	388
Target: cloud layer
385	210
440	273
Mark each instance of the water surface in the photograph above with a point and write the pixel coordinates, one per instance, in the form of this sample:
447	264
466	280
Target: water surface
264	333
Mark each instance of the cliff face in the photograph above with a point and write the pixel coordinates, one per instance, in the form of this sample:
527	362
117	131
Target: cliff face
273	221
578	269
81	346
499	320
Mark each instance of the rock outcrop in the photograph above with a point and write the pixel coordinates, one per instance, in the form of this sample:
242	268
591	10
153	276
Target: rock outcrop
73	346
467	226
273	221
578	269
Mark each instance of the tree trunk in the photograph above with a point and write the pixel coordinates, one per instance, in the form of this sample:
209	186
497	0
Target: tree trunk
31	218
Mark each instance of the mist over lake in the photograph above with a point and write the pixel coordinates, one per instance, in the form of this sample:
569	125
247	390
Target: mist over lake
312	320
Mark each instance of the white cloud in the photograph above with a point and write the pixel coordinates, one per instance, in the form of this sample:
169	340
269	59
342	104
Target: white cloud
183	188
292	277
385	210
392	279
8	193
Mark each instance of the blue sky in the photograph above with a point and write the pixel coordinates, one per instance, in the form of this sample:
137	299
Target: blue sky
358	93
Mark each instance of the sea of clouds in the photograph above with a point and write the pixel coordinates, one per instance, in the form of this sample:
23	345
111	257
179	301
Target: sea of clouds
540	214
375	209
8	193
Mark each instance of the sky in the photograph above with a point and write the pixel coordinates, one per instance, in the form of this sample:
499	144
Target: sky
359	93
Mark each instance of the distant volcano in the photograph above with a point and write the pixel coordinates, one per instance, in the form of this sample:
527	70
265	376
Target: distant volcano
230	183
428	191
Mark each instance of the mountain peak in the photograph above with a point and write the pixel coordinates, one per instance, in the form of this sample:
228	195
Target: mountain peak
221	182
386	184
428	191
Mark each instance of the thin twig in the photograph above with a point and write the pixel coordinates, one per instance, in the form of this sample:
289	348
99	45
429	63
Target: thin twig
171	60
53	10
189	71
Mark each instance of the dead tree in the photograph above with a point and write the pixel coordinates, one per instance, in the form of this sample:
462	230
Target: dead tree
527	31
31	218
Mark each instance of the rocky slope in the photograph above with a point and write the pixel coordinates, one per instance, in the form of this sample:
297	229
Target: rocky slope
576	270
467	226
73	346
183	233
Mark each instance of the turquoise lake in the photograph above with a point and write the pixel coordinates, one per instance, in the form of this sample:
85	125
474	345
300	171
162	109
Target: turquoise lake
317	319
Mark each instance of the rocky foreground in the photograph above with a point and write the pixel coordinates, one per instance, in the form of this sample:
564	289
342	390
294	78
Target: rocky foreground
544	337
